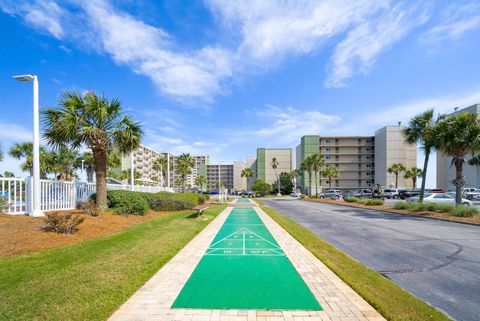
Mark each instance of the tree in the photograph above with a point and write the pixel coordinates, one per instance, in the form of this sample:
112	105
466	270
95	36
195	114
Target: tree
420	130
457	136
396	169
160	165
317	165
185	164
285	181
25	151
474	161
200	181
294	175
261	187
307	166
330	172
248	173
413	173
274	165
7	174
87	158
1	153
96	122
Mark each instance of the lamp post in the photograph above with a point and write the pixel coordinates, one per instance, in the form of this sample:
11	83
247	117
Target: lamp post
132	172
36	209
83	174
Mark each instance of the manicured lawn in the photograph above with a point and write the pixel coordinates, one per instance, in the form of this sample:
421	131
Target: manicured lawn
90	280
385	296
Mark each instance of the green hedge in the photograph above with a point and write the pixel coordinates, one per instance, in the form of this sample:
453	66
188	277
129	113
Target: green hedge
127	202
464	211
364	201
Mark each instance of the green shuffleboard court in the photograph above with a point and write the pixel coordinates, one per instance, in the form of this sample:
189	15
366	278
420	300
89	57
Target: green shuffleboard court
244	268
243	200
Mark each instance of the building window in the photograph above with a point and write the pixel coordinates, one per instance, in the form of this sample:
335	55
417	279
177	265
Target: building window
328	157
327	149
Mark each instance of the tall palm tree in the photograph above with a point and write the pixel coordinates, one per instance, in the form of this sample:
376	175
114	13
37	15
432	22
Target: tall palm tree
318	163
420	130
330	172
294	175
307	166
248	173
25	151
88	167
457	136
64	162
160	165
274	163
200	181
96	122
396	169
413	173
185	164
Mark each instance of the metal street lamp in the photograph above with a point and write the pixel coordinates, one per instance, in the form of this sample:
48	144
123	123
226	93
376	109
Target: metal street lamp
36	209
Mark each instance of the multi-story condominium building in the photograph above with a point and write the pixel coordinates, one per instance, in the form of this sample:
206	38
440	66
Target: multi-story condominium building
239	182
361	160
263	163
144	157
446	172
220	173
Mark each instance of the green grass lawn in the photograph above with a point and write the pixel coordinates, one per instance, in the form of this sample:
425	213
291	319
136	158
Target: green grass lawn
90	280
386	297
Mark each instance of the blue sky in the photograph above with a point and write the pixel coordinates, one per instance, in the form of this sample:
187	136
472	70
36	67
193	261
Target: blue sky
225	77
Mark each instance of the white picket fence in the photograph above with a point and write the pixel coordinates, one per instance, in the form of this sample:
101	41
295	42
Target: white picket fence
55	195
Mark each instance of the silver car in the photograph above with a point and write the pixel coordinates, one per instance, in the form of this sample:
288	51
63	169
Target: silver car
439	198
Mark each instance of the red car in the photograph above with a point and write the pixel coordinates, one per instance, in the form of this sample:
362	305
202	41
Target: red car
435	190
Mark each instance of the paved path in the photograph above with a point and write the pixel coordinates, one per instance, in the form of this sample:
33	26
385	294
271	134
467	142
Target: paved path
437	261
154	299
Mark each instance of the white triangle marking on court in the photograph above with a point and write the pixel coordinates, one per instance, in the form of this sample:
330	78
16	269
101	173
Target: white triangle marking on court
244	230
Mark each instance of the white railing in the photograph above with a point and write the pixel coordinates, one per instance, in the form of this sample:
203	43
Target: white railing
56	195
14	190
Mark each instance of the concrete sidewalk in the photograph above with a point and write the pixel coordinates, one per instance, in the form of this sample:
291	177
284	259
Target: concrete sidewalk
153	300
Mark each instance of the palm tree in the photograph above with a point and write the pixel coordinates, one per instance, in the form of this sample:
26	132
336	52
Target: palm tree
413	173
420	130
64	162
200	181
87	158
474	161
25	151
274	165
96	122
331	172
294	175
457	136
307	166
160	165
318	163
1	153
248	173
396	169
185	164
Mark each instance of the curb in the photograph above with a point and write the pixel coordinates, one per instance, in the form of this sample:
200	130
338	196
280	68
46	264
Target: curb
392	212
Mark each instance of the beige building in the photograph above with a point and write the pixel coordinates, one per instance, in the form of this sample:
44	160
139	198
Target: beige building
221	173
262	165
361	160
239	182
446	173
390	148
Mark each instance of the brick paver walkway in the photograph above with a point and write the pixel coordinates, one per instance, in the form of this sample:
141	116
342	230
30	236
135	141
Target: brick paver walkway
153	300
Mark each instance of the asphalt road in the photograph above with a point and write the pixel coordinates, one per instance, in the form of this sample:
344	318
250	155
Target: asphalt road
436	261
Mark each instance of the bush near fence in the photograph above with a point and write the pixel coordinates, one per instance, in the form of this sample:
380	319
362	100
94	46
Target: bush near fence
137	203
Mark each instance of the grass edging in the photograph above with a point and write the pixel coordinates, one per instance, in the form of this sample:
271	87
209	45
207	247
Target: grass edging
92	279
386	297
388	209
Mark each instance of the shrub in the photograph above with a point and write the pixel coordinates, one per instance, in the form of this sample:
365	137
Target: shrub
464	211
62	224
444	208
351	199
171	204
127	202
371	201
402	206
431	207
3	204
88	207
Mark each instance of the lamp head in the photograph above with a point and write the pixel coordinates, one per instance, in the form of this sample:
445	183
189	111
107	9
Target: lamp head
24	78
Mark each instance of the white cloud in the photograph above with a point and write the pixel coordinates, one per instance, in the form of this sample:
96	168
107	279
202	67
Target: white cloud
456	20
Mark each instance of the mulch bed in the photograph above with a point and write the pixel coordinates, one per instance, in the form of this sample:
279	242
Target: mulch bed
22	234
386	208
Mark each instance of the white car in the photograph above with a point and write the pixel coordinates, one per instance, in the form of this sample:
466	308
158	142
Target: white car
439	198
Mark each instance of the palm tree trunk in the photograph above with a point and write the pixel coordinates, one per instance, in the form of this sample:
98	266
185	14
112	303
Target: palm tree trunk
278	182
458	180
424	175
310	184
100	163
396	180
330	183
90	173
316	183
414	181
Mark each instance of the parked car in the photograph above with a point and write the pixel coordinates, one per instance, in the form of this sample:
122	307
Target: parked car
360	193
435	190
404	194
439	198
393	193
295	194
332	193
472	194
